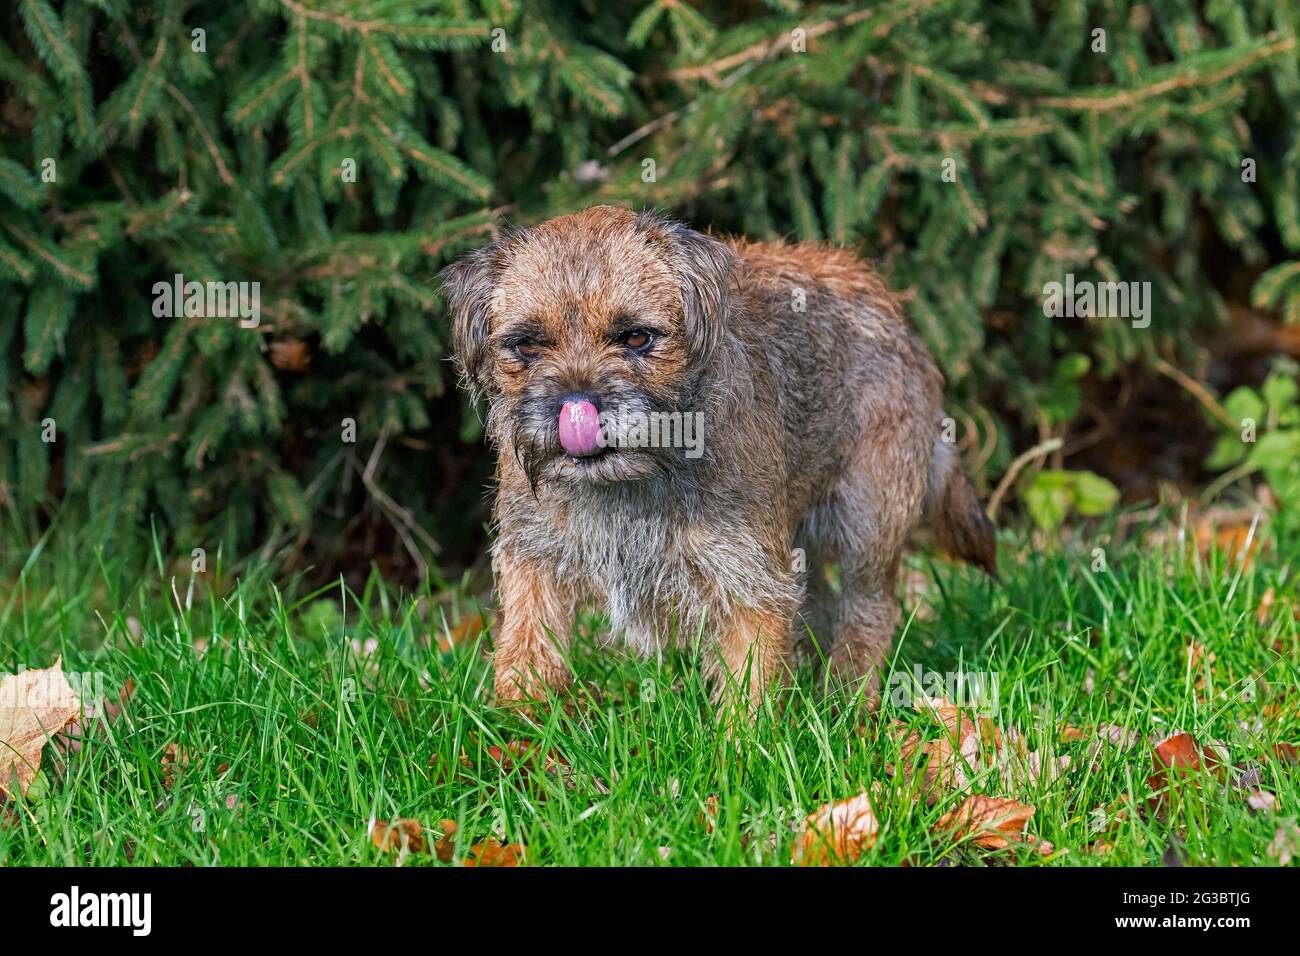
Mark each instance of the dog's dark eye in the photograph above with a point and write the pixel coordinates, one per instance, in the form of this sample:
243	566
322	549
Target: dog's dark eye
637	339
527	349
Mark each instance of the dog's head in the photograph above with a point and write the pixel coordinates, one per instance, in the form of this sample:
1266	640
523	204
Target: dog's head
581	329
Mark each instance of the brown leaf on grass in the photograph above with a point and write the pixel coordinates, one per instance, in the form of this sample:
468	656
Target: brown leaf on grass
1179	753
1265	609
35	706
1178	760
967	749
531	757
70	741
1118	736
1237	540
1287	753
470	626
837	833
488	853
1284	707
1285	843
1261	800
1200	659
401	708
960	748
962	745
708	815
399	835
909	746
1069	733
445	846
1111	735
526	753
175	760
992	823
492	853
1029	769
1107	820
1018	766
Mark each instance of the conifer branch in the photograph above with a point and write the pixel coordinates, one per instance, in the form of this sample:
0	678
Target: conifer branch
83	279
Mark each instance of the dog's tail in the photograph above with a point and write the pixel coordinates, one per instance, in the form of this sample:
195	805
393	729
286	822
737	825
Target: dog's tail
954	514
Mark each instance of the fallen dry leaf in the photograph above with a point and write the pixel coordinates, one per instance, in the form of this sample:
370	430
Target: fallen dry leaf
488	853
399	835
470	626
1264	611
1261	800
401	708
35	706
71	740
837	833
445	846
1107	820
1285	843
525	753
1283	708
1019	766
1197	655
175	760
1111	735
1070	733
993	823
1179	753
1236	540
708	816
1179	759
1118	736
492	853
967	746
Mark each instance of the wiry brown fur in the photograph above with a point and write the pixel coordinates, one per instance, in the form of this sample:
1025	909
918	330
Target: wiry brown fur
821	429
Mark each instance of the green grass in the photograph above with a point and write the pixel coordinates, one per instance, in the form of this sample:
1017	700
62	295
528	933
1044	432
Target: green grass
290	718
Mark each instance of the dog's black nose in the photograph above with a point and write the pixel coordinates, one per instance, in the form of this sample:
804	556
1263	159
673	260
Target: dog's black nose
581	396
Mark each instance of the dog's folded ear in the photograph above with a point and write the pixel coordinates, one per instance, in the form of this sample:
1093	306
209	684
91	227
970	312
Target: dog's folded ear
705	267
467	285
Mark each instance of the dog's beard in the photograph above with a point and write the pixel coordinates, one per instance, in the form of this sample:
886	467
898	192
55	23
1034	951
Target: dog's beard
528	430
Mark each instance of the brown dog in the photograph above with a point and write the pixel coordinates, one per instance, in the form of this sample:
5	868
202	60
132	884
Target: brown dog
684	425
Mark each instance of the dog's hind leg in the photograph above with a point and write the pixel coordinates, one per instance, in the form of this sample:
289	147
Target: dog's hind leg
814	625
868	616
877	502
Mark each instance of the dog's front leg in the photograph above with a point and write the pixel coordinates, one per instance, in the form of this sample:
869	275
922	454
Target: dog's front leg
537	613
752	653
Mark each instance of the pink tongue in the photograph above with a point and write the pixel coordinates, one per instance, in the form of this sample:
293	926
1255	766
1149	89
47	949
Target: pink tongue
579	428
